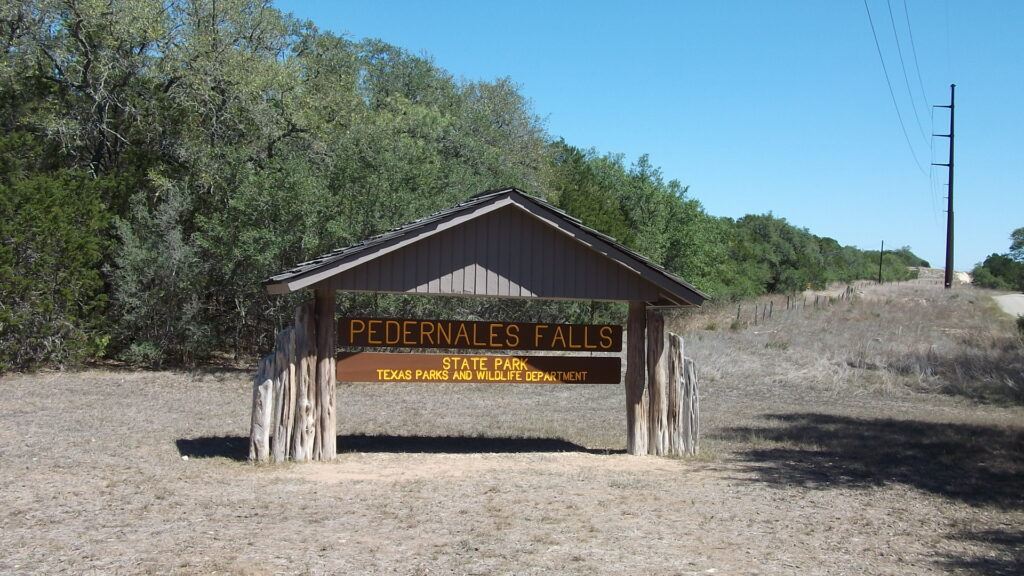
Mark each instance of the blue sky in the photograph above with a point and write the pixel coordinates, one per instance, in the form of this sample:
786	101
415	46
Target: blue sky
759	106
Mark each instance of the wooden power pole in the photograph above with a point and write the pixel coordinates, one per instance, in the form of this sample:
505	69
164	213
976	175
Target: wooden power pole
881	254
948	281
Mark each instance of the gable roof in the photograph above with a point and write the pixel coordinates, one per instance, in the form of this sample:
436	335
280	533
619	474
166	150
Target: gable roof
522	218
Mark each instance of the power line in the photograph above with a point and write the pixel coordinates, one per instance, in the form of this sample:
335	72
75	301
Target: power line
903	67
913	49
891	93
931	169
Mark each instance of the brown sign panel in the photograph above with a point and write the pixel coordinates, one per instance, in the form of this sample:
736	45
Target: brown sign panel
390	367
404	333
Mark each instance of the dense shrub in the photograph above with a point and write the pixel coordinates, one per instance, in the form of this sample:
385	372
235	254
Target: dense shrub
52	300
158	284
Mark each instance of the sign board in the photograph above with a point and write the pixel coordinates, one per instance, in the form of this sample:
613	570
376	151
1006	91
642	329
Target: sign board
474	335
389	367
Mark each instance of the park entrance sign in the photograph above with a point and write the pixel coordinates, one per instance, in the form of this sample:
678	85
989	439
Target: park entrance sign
498	244
480	335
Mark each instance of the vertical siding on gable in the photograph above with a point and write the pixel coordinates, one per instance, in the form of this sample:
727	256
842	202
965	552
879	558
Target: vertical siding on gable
504	253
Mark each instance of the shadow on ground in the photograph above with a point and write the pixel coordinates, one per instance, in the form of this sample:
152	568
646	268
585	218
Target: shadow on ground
979	465
237	447
230	447
1006	557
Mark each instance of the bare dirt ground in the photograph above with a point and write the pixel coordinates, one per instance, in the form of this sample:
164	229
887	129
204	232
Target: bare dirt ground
880	436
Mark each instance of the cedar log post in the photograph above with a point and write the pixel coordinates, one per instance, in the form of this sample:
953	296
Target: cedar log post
262	408
284	394
305	383
636	381
657	383
691	409
326	385
676	412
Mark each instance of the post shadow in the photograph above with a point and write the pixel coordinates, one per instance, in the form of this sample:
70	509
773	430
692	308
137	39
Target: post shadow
237	447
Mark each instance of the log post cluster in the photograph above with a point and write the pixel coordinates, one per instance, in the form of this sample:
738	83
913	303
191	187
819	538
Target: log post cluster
293	414
662	400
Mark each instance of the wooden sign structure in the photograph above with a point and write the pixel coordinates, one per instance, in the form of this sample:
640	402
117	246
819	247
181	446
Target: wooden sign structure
501	243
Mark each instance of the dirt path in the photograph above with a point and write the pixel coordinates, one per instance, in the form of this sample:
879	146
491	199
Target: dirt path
1012	304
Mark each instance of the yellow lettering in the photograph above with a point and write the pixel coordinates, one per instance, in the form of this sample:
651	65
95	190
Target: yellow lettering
476	342
606	337
492	333
444	333
558	337
407	339
352	330
392	336
372	328
572	345
538	336
424	333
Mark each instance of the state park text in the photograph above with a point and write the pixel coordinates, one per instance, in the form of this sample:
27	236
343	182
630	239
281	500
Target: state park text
388	367
459	334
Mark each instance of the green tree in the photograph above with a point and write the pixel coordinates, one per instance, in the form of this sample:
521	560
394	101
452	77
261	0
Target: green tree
159	283
1017	244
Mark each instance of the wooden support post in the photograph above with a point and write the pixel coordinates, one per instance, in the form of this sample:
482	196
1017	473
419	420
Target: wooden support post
657	377
305	383
262	410
691	409
676	376
636	380
326	386
284	394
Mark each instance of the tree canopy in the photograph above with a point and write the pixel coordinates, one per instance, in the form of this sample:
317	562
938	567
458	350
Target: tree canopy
1003	271
160	157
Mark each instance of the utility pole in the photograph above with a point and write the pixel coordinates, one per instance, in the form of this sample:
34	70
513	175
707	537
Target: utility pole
949	196
880	254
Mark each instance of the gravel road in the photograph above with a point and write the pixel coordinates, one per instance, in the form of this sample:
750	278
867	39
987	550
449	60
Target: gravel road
1012	304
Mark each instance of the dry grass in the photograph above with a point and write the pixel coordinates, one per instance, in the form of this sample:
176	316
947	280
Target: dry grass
884	340
825	451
